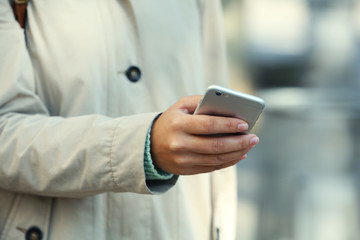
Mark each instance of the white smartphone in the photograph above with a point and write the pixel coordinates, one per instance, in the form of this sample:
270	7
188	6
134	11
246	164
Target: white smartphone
221	101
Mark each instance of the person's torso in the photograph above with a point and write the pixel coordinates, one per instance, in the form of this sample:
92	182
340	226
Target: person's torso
81	51
84	48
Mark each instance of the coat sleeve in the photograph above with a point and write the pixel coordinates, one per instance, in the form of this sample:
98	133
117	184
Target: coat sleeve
224	191
55	156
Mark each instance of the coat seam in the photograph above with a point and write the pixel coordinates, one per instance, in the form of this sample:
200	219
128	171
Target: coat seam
47	219
110	162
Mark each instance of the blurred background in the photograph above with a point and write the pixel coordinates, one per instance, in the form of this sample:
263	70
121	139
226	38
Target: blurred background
301	182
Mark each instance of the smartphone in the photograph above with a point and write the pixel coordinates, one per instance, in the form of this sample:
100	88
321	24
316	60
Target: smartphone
221	101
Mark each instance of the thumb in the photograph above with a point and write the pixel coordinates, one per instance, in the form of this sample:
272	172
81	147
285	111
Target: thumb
189	103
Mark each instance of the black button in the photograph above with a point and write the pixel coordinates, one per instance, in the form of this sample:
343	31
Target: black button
133	73
34	233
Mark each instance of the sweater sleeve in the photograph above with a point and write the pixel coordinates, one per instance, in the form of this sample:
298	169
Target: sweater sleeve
151	172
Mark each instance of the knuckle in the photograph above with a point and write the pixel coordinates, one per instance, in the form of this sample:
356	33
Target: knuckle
243	143
218	146
229	124
220	158
180	162
182	100
176	123
176	146
209	125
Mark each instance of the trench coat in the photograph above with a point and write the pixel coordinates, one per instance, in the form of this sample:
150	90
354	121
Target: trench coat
73	121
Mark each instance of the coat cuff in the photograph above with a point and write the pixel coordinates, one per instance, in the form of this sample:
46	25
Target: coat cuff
127	166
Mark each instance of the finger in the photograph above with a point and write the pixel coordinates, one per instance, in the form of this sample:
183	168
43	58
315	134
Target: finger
211	159
207	169
218	144
188	104
205	124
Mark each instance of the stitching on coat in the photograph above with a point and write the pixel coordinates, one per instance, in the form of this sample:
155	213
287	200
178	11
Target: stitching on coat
111	158
48	216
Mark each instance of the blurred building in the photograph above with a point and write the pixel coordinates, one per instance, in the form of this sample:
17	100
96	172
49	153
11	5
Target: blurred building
303	57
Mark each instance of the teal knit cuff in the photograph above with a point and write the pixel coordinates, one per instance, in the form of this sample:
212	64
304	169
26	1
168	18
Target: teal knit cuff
152	172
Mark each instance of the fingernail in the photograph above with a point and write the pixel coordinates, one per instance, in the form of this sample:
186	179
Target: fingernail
254	140
243	157
243	127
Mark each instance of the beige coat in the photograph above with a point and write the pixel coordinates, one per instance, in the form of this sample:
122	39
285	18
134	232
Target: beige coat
73	127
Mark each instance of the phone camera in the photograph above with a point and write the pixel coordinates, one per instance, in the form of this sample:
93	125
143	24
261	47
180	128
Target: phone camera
218	93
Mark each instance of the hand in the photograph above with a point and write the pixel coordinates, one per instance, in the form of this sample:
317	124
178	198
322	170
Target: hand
181	142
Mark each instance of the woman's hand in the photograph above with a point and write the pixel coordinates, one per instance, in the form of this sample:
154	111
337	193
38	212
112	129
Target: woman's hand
185	144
